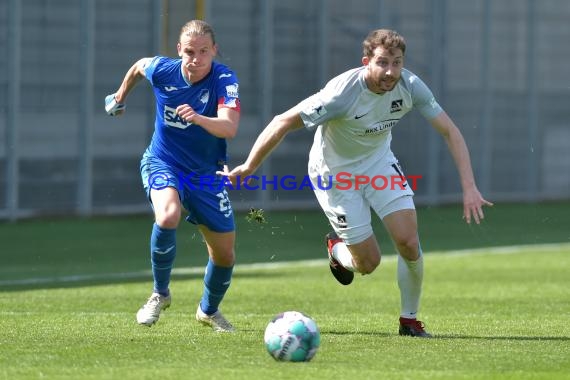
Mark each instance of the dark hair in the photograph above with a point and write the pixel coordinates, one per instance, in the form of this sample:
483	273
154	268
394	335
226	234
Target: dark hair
386	38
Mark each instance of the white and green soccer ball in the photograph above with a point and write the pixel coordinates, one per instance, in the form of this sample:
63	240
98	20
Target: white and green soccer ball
292	337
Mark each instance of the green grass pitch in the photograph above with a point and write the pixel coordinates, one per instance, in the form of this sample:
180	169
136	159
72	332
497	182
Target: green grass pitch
69	290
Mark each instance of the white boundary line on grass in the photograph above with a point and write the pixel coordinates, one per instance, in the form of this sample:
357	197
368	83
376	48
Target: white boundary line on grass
274	265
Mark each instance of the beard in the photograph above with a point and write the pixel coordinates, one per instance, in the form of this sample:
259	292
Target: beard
387	84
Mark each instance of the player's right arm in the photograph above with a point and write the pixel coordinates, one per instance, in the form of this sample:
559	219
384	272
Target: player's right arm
312	111
115	103
266	142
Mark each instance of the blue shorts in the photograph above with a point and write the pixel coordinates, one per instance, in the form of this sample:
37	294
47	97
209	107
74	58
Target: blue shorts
205	198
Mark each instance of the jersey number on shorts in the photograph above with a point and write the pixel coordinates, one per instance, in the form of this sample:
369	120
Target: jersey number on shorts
225	206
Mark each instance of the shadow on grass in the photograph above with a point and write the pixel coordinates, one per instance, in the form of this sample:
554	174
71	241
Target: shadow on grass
442	337
522	338
70	282
364	333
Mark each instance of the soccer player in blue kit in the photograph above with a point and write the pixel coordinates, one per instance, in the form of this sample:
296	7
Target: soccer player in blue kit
197	109
353	116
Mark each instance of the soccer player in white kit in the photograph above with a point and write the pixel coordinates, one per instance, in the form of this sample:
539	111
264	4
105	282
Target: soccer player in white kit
353	115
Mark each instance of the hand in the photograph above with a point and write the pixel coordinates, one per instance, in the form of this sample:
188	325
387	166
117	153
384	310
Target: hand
473	204
186	112
238	174
112	107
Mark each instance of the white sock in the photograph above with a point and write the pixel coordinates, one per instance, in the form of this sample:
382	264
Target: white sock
341	253
410	278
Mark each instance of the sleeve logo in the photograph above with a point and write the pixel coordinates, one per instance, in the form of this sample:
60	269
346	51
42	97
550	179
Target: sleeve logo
232	90
315	110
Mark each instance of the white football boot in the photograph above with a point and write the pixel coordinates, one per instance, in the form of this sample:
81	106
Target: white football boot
216	321
148	314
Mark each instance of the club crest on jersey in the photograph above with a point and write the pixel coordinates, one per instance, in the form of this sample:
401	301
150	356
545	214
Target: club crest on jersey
396	105
172	119
204	96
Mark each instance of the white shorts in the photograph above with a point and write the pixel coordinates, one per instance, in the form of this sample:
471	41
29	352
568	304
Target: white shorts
348	199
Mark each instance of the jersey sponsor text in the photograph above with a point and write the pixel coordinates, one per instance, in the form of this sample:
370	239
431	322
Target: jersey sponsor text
380	127
172	119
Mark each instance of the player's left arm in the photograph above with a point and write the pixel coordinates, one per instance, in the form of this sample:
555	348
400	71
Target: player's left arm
224	125
473	201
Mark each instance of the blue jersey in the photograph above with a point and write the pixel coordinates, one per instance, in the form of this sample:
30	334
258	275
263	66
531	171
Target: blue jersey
187	147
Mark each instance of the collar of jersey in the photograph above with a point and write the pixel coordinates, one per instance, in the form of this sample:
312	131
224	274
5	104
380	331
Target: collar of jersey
193	84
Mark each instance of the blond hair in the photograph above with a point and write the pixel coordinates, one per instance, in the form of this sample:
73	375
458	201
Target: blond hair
198	28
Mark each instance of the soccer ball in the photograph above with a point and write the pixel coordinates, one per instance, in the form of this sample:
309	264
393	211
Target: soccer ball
292	337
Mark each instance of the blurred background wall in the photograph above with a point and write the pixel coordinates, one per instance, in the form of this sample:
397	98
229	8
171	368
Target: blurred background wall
499	68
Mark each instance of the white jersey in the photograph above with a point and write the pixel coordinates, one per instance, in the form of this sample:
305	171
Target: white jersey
354	123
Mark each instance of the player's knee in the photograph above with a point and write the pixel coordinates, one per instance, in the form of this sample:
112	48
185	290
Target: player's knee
168	218
368	264
224	258
408	247
373	263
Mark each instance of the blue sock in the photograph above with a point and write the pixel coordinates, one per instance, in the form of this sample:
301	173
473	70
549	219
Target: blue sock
162	254
216	282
